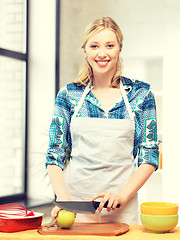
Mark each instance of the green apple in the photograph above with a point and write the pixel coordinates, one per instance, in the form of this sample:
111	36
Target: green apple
65	219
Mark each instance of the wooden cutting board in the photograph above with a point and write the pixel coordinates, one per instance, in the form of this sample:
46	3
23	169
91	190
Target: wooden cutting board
98	229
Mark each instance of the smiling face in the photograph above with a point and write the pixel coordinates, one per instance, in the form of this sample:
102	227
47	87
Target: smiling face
102	51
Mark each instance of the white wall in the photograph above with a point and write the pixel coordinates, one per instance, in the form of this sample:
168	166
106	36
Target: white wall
41	92
171	114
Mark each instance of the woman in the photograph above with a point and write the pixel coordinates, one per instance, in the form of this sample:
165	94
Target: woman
106	120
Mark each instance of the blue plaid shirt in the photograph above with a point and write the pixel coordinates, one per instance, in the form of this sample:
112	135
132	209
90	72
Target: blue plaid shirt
143	106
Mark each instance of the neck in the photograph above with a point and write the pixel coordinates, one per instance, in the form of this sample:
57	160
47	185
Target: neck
102	81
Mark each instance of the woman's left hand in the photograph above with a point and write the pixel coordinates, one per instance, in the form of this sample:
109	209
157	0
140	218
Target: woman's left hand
113	199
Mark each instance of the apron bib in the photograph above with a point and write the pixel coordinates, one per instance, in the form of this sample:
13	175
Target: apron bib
102	160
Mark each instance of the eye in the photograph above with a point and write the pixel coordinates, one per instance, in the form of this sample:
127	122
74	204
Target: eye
110	45
94	46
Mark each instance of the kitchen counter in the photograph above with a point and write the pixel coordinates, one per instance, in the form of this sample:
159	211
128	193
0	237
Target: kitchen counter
136	232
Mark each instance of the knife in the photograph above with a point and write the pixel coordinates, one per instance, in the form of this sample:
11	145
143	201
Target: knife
80	206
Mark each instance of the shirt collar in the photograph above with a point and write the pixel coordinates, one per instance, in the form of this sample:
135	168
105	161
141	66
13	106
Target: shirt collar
127	83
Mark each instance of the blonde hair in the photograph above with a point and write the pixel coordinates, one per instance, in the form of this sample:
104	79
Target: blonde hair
86	72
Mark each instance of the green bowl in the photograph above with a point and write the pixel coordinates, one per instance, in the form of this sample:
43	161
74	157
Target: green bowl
159	224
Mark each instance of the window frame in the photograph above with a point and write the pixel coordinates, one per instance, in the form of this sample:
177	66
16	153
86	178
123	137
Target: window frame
23	198
21	57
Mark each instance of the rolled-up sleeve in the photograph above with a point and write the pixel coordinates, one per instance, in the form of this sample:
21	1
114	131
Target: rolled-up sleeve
149	145
59	134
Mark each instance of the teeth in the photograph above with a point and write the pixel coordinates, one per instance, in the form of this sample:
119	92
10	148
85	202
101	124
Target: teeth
102	63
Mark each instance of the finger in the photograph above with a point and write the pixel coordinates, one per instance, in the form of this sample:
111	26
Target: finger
103	201
110	204
54	213
115	205
98	195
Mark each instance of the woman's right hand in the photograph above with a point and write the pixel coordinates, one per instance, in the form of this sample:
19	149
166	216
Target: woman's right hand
54	213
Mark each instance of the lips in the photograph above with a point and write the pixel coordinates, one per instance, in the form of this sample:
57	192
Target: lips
102	63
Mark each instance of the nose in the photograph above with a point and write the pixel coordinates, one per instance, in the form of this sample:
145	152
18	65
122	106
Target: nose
102	53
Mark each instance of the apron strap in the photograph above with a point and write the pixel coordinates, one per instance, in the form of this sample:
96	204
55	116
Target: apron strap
126	101
87	89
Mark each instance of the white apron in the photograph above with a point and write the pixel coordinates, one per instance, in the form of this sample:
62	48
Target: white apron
102	160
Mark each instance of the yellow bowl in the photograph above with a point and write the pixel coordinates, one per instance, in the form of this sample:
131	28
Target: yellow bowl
159	224
159	208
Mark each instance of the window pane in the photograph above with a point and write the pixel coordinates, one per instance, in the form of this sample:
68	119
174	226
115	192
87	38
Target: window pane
11	122
12	22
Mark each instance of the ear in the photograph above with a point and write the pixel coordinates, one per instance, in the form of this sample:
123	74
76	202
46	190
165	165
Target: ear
84	50
119	51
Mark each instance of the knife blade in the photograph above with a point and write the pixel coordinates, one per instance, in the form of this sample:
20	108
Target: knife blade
80	206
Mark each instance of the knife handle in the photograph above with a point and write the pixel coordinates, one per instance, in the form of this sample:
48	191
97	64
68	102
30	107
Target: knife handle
96	204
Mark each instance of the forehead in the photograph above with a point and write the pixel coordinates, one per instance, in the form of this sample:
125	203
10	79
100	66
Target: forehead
105	35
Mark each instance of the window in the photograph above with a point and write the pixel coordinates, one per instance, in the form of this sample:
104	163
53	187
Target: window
13	97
